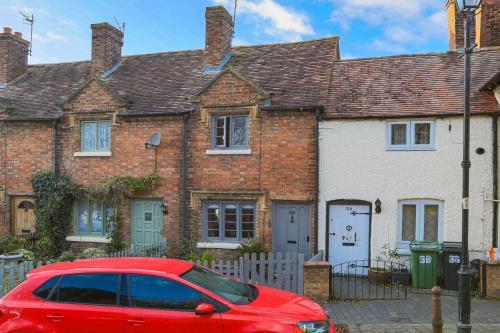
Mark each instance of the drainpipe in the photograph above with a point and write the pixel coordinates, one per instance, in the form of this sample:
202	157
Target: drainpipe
494	132
56	145
184	166
316	192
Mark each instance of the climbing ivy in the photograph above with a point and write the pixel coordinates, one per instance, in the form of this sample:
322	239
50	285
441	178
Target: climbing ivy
54	197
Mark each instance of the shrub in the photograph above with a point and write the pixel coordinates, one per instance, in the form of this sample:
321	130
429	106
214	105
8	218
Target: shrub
11	243
67	256
251	246
93	252
28	255
206	256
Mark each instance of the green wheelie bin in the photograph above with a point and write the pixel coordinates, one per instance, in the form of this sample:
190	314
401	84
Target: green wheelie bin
424	264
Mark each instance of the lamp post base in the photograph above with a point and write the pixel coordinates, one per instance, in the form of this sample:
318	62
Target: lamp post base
464	299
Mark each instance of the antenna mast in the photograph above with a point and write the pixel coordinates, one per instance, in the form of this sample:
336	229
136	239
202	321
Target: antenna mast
31	21
121	27
234	15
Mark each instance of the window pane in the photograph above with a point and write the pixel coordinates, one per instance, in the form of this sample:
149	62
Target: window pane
247	221
422	134
213	219
83	217
88	289
431	221
220	132
239	131
230	221
409	222
89	140
44	290
398	134
104	135
97	216
108	225
155	292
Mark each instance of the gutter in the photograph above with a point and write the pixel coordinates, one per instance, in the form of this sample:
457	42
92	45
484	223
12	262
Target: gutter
316	190
494	132
56	145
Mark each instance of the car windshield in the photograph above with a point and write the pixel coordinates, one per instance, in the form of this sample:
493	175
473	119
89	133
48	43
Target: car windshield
231	290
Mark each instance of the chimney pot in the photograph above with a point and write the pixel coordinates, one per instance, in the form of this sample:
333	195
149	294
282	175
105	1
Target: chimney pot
18	34
7	30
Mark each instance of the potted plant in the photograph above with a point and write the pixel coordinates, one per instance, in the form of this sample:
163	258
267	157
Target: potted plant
395	264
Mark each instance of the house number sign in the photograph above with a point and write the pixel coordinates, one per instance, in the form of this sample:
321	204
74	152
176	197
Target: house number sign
425	259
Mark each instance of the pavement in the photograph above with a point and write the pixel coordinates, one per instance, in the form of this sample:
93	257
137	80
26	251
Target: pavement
411	315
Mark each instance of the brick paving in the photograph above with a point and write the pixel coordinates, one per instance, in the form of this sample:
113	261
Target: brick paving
412	315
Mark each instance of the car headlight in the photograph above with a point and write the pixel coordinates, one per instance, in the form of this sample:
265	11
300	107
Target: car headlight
314	326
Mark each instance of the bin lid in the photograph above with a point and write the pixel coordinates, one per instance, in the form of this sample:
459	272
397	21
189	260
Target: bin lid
418	246
451	246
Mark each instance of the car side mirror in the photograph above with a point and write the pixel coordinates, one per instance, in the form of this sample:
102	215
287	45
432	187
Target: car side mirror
204	309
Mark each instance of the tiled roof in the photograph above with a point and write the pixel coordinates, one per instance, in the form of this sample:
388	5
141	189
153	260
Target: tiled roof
296	74
410	85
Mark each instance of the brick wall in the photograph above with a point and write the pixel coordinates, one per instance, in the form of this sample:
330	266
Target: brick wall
490	279
25	150
282	163
317	281
13	55
488	24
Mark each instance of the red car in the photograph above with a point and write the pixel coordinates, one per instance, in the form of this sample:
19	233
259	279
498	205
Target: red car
139	295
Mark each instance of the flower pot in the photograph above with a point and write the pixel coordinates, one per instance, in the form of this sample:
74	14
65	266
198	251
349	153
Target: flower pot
379	275
401	277
11	258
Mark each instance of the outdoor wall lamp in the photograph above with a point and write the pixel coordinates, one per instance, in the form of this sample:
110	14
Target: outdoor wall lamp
378	206
164	208
468	5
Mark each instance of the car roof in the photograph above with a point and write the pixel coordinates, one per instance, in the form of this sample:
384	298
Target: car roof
168	266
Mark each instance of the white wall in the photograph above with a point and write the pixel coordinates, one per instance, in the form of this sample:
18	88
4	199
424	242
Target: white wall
354	164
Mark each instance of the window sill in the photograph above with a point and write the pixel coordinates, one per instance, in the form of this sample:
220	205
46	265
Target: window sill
90	239
218	245
229	151
410	148
92	154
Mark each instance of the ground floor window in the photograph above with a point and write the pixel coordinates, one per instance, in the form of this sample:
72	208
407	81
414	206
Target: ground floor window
91	218
229	221
420	220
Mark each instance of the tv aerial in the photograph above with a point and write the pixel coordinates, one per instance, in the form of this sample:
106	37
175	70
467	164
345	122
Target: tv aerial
31	21
154	143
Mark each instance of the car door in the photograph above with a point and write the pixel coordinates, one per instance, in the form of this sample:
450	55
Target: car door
83	302
157	304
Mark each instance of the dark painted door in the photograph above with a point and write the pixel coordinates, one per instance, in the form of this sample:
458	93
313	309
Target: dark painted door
292	229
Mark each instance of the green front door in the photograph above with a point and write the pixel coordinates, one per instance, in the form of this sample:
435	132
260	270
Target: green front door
147	222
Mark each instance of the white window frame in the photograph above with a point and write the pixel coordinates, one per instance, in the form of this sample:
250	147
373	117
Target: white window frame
410	135
419	228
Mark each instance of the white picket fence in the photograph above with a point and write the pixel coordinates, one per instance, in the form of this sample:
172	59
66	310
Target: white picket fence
274	270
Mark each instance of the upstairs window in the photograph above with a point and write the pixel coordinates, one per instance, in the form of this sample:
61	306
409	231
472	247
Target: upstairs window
229	221
95	136
411	135
230	132
91	218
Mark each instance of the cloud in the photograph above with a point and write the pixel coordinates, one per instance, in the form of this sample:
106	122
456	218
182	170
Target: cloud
280	22
69	23
49	36
403	22
28	10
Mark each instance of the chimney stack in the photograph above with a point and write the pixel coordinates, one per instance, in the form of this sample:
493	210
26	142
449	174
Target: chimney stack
218	36
107	42
488	24
13	55
456	27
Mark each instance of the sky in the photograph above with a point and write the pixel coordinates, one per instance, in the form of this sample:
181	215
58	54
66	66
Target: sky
367	28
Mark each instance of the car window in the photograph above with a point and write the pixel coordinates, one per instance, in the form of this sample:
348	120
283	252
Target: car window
99	289
159	293
231	290
44	290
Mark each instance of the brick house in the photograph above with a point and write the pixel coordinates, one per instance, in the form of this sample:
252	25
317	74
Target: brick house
396	124
238	154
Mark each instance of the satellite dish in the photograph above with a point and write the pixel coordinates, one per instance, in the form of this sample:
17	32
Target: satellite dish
154	140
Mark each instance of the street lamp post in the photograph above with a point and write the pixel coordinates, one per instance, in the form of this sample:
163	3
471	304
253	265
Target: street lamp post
468	9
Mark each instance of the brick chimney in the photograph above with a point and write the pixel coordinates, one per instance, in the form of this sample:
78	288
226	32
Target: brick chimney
13	55
218	36
107	42
488	24
456	27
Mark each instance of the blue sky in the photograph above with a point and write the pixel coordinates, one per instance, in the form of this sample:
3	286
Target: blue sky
366	27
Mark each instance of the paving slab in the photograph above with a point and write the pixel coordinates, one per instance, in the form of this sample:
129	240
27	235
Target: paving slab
417	328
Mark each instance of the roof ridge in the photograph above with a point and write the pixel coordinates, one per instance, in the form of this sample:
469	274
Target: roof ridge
289	43
59	63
